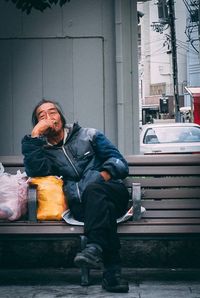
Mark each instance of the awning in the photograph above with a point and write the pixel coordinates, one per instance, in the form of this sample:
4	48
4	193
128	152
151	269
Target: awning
193	91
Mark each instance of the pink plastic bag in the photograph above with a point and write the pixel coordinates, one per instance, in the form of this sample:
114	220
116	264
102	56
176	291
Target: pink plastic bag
13	195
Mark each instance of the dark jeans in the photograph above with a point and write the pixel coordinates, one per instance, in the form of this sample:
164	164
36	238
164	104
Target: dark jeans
102	203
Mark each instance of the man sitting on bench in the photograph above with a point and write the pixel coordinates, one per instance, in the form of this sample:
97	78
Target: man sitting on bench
92	169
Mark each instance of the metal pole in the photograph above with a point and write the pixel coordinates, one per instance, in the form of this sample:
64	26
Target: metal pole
120	74
174	58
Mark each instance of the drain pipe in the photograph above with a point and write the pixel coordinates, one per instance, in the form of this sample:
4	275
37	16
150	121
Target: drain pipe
119	76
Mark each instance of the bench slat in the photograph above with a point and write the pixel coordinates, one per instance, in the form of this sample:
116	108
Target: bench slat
149	229
172	214
164	170
39	228
166	159
62	223
165	221
131	228
172	193
191	181
172	204
12	160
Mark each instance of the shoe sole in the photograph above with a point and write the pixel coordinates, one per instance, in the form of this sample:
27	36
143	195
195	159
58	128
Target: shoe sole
81	261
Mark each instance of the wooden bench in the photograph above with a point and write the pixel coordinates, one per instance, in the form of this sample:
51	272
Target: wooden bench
170	187
170	193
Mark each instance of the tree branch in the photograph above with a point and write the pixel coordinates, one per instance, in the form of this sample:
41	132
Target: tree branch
41	5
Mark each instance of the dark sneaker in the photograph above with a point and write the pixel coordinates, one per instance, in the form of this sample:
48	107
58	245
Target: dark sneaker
112	282
90	257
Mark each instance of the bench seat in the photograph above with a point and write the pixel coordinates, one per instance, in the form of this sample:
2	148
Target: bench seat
170	187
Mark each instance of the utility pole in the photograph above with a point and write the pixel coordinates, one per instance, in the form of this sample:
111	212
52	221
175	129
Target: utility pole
174	58
166	14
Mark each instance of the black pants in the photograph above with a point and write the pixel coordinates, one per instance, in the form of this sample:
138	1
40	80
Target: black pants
102	203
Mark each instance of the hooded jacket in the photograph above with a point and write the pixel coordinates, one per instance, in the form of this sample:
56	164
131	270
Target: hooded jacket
79	160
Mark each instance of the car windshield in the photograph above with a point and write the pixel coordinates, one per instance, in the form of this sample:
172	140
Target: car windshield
172	134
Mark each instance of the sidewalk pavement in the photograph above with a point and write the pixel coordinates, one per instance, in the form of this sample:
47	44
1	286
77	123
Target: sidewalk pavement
143	283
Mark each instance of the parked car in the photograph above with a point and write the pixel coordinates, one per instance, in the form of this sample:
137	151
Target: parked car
170	138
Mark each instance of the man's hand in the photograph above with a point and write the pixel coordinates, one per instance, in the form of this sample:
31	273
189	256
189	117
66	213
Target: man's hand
106	176
42	127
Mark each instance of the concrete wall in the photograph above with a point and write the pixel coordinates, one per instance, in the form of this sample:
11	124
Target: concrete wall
53	55
134	253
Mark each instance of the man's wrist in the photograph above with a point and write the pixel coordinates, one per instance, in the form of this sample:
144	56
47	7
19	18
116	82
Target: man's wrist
35	133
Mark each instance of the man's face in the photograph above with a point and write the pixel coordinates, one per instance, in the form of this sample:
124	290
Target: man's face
48	111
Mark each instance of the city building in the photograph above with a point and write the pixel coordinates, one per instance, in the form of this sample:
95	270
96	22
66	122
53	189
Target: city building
158	81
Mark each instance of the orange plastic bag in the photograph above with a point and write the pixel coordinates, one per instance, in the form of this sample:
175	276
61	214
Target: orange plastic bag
51	199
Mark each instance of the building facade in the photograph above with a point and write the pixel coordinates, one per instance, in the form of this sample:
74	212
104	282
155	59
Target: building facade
156	79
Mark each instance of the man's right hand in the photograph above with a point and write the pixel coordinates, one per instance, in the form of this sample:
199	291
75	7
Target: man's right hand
42	127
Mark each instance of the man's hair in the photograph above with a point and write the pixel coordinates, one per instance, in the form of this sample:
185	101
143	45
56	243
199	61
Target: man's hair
57	106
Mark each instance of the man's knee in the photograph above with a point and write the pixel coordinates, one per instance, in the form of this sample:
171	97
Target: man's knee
93	188
95	196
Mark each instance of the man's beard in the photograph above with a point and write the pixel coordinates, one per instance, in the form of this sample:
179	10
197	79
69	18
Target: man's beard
51	133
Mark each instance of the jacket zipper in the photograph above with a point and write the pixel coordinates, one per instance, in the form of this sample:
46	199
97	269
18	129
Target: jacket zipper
75	170
78	191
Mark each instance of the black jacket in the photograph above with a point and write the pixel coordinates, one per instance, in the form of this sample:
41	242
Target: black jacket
79	160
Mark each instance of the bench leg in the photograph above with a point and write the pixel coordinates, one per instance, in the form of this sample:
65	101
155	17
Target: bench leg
85	276
32	204
85	272
136	198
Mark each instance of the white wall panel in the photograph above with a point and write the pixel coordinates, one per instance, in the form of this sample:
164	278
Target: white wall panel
6	120
38	24
82	18
10	20
88	82
76	18
67	70
27	86
58	73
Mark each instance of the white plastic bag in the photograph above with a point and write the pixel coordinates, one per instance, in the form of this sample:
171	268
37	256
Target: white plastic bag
13	195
